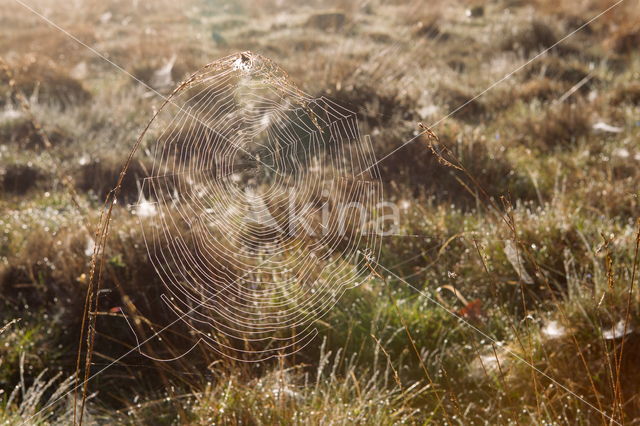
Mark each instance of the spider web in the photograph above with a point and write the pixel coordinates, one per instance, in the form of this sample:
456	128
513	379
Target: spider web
260	208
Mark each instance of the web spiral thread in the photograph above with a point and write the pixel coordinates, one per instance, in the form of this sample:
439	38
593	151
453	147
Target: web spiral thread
260	209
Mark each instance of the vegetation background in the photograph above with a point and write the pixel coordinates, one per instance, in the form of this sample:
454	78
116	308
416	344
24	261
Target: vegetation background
537	232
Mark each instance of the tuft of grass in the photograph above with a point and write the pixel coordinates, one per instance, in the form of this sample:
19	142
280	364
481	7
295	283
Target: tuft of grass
337	392
559	127
566	187
45	82
530	38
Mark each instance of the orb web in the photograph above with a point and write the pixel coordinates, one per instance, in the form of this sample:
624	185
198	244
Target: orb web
260	208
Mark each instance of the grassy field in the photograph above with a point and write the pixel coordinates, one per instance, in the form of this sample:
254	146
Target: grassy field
509	295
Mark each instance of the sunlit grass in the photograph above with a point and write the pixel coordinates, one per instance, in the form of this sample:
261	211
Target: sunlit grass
539	238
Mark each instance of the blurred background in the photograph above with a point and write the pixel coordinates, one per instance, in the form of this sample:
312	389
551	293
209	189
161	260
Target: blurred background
532	238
